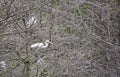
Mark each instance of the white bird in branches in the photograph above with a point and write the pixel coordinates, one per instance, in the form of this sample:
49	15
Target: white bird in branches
3	65
31	21
41	45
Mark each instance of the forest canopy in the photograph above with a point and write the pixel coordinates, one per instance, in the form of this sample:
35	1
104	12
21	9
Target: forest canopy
83	38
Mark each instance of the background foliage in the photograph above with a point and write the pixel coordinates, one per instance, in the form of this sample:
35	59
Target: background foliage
85	36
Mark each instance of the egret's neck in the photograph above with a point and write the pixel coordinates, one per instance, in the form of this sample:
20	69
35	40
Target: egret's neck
46	45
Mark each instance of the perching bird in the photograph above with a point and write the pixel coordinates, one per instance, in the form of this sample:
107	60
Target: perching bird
41	45
31	21
3	65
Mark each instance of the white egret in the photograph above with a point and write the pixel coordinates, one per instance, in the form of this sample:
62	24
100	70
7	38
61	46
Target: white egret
31	21
3	65
41	45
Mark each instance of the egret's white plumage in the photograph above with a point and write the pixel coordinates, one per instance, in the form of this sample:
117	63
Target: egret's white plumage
31	21
3	65
41	45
